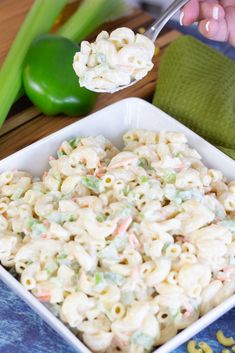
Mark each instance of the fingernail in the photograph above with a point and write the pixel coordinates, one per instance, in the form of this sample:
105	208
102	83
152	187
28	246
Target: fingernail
215	13
181	18
207	26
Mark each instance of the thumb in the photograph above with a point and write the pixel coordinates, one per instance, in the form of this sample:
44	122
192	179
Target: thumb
189	13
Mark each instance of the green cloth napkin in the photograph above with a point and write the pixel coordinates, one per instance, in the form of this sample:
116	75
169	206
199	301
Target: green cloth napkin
196	85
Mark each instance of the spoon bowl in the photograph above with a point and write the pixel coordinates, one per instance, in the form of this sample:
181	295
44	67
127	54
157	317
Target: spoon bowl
119	88
152	33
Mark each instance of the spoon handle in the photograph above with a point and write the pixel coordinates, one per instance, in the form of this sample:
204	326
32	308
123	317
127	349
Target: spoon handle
157	26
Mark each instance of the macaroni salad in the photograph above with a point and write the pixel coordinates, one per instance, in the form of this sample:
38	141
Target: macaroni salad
114	60
126	247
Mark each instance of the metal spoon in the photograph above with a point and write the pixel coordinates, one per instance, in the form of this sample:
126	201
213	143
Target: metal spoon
153	32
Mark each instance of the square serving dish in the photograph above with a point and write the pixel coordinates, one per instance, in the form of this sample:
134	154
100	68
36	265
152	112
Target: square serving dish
112	122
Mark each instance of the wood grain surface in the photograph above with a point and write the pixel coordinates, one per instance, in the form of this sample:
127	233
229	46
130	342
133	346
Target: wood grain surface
28	125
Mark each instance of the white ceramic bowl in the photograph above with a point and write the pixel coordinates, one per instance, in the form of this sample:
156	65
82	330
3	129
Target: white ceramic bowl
112	122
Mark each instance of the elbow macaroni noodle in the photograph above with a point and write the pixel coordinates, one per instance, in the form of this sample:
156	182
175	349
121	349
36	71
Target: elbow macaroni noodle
225	341
127	247
113	60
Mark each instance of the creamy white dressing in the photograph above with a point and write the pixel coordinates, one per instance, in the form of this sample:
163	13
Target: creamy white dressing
113	61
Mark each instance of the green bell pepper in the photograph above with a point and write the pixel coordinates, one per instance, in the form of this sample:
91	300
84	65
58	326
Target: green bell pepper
49	79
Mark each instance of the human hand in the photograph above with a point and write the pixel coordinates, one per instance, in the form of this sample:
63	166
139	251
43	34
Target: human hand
216	18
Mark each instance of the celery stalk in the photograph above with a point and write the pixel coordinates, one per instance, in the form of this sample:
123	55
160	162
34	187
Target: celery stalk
19	94
39	20
90	15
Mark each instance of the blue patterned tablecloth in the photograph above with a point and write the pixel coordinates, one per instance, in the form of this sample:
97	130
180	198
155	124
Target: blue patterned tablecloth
23	331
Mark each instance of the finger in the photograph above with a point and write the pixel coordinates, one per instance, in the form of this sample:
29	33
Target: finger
189	13
230	19
211	10
227	3
212	29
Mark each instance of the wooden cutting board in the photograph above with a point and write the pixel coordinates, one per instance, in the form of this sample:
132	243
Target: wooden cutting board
26	124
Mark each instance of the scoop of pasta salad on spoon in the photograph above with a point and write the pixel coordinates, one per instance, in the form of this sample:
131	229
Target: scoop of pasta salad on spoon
114	60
